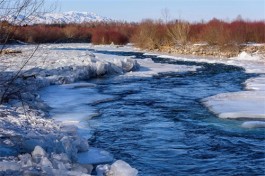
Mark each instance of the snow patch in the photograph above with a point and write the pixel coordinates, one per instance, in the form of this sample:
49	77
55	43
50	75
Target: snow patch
56	18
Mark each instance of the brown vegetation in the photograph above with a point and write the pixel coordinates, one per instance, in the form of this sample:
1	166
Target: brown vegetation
151	35
97	33
214	32
148	34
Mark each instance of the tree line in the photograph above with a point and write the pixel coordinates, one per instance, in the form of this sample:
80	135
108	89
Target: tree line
148	34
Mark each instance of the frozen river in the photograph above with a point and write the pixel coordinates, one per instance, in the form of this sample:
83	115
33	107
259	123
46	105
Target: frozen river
159	125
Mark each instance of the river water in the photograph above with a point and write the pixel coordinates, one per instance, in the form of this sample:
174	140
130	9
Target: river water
159	125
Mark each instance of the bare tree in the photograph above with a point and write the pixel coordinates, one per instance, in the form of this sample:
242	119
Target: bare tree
14	13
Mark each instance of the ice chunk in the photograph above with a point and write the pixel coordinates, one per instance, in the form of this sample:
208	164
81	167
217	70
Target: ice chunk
129	64
25	160
60	157
101	68
121	168
46	166
116	69
38	151
246	56
102	170
45	162
94	156
69	147
38	154
253	124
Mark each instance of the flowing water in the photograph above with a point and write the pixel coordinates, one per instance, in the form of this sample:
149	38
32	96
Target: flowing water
159	125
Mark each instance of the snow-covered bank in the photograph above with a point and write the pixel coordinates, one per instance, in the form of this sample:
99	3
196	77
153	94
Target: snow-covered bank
25	126
247	105
147	67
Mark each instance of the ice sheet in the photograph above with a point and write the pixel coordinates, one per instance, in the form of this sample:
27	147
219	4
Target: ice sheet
243	105
63	101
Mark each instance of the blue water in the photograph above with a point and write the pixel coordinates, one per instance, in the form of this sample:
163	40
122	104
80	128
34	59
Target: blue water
159	125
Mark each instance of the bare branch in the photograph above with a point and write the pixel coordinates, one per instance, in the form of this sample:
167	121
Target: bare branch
8	84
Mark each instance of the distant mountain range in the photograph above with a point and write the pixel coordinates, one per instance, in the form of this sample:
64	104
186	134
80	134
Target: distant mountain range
56	18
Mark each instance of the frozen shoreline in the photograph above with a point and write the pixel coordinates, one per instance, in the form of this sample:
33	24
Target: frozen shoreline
50	147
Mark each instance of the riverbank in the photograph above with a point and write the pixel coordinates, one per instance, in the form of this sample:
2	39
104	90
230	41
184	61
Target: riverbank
226	51
31	142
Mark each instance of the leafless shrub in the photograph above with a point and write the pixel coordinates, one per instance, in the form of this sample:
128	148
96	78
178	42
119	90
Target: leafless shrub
179	31
9	81
151	35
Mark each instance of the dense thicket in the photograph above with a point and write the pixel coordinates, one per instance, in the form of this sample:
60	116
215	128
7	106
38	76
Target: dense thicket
148	34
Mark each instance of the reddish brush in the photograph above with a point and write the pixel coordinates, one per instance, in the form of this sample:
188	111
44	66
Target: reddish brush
147	34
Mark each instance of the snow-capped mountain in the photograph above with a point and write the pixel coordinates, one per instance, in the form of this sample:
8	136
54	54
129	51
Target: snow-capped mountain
57	18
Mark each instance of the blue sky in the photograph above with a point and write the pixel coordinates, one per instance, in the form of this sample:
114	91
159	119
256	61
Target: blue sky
192	10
